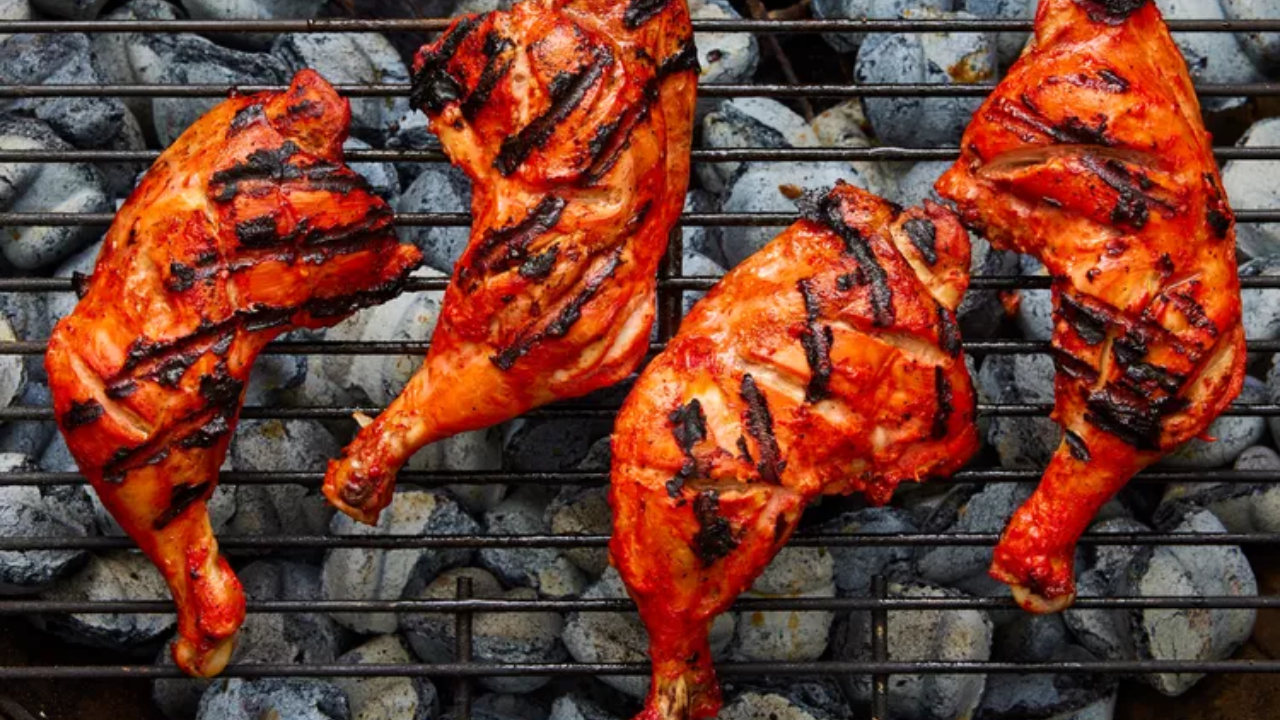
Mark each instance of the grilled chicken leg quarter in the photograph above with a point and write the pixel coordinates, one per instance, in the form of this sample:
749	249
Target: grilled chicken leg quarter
574	120
246	227
1091	155
828	363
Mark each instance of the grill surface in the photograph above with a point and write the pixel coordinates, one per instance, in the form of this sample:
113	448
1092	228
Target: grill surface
673	282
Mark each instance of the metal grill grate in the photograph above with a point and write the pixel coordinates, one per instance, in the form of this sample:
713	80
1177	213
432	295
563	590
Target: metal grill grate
673	282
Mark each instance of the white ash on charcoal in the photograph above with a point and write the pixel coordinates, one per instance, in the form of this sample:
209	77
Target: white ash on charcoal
1216	58
26	511
846	126
583	511
1260	310
44	187
117	55
596	637
387	698
551	444
725	58
697	239
788	635
352	59
916	184
1098	570
545	570
1020	442
986	511
60	59
748	123
381	176
13	371
411	131
250	10
499	706
1041	639
15	10
280	446
1194	634
1242	507
276	380
1035	307
1263	48
1230	434
265	638
1249	184
438	188
768	706
818	697
523	637
292	698
861	9
70	9
116	575
577	707
28	438
854	567
375	574
930	58
1009	45
123	177
478	7
914	635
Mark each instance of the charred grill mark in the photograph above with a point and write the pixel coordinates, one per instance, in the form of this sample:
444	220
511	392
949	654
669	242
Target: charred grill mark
640	12
688	427
169	372
744	451
1133	206
759	423
855	245
1106	80
1073	367
122	389
331	177
539	267
504	247
560	326
1130	418
208	434
1111	12
1070	131
261	164
817	340
220	389
433	86
1193	311
264	318
376	221
924	235
684	60
182	497
948	332
607	150
714	539
1077	447
339	305
181	277
494	70
260	232
81	414
946	403
1090	324
1218	215
1114	81
245	118
515	150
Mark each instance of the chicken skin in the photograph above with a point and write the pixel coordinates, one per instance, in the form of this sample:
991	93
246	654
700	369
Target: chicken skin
1091	155
246	227
826	364
573	118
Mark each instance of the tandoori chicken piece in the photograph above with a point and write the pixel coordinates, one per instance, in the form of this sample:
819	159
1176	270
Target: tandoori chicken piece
1091	155
826	364
573	118
248	226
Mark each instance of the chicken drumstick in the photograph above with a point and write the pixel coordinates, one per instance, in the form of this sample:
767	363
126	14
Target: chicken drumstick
1091	155
827	363
246	227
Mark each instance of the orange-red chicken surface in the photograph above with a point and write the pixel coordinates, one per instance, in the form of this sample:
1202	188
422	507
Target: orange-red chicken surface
248	226
1091	155
828	363
574	119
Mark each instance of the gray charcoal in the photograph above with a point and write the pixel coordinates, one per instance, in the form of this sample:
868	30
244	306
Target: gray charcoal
818	697
476	7
26	511
292	698
387	698
60	305
496	706
13	371
1035	307
1241	507
796	572
860	9
767	706
15	10
748	122
931	58
122	57
1262	47
265	638
545	570
1009	45
551	444
274	379
407	318
981	312
702	240
1261	307
437	189
411	132
116	575
1211	57
845	125
45	187
1248	184
695	265
1099	569
1273	387
366	574
1061	697
527	637
724	57
251	10
593	637
122	177
856	566
69	9
1021	442
916	185
1030	638
583	511
382	176
987	511
181	59
28	438
945	635
576	707
352	59
1231	435
280	446
60	59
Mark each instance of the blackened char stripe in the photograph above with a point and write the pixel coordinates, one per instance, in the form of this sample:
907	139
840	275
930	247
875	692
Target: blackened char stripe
262	164
606	149
1077	447
433	86
1111	12
515	150
494	70
829	213
503	248
81	414
684	60
946	403
1130	418
640	12
714	539
924	235
817	340
759	422
245	118
207	435
257	233
182	497
1089	323
948	332
688	427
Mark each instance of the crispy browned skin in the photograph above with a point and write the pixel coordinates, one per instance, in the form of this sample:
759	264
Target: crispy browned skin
1091	155
827	363
574	119
248	226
